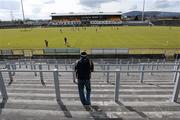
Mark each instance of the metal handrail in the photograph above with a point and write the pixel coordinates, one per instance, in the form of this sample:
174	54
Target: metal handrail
56	79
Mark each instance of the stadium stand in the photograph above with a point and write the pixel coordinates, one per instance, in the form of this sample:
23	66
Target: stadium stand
88	19
28	99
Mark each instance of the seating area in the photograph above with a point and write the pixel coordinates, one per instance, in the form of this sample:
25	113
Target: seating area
64	23
106	22
29	99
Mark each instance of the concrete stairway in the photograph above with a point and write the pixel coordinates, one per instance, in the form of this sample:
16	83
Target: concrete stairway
29	100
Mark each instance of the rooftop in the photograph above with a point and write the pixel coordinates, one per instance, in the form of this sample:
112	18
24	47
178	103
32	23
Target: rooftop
85	14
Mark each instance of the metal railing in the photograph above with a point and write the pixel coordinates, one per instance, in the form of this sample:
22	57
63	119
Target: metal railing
149	66
55	74
117	80
142	72
3	87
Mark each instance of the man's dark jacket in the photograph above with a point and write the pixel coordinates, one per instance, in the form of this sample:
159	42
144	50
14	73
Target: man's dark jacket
83	68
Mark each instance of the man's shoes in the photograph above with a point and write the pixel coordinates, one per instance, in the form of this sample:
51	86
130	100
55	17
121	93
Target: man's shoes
96	108
88	107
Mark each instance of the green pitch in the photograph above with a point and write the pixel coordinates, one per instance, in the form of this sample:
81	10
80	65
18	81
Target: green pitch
91	37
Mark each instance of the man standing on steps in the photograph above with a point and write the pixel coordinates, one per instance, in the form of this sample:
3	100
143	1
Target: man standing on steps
83	68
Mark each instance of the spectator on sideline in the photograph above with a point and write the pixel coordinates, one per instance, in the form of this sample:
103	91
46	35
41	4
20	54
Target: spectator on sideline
83	68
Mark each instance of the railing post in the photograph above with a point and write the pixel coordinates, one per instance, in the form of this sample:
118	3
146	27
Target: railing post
65	61
31	65
65	64
176	89
139	66
117	60
10	74
132	61
128	68
176	68
70	67
19	64
152	67
164	61
120	65
132	64
74	73
35	73
117	86
148	62
70	61
3	87
142	73
13	66
104	68
56	84
157	64
74	76
48	66
66	67
107	73
26	65
41	75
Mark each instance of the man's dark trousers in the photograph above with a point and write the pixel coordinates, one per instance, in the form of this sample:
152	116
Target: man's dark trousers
84	95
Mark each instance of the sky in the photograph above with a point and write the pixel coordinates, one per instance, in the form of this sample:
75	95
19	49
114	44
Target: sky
41	9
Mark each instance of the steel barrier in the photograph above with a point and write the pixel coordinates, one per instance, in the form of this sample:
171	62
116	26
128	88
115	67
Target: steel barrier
175	67
117	86
3	87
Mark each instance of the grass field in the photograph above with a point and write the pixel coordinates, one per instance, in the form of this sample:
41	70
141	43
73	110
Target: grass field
104	37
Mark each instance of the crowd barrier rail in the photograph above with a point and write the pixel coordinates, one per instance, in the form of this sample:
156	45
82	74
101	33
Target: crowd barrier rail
56	77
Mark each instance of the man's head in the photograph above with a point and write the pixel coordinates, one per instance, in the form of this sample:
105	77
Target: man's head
83	54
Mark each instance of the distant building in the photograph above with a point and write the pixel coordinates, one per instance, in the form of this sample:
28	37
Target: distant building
86	19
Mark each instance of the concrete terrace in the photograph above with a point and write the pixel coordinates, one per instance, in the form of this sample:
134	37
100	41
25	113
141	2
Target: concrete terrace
30	100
